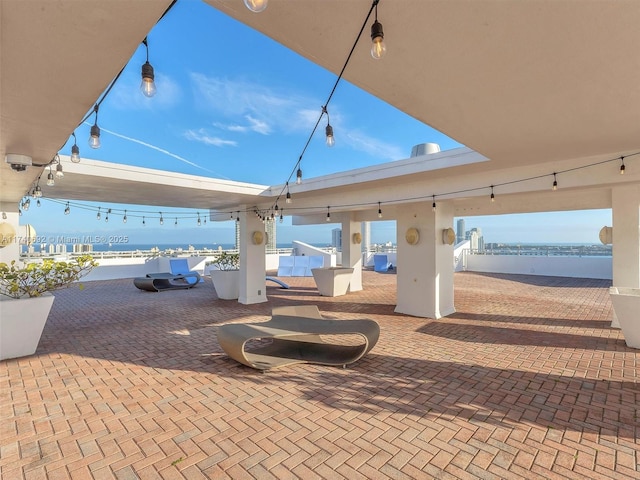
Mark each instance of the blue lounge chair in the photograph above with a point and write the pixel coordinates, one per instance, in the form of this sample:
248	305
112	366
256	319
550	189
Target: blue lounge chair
180	266
381	263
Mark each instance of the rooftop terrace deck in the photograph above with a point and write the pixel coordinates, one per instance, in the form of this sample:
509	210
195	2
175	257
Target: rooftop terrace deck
526	380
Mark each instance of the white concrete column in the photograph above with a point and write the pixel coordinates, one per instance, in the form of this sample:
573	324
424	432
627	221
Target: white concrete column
625	202
252	261
352	253
425	270
11	251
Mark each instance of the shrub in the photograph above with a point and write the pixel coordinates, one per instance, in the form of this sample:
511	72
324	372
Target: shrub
226	261
34	279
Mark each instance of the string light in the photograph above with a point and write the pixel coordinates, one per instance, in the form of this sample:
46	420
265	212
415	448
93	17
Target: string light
124	219
161	219
59	172
176	222
106	218
281	217
299	176
144	224
378	47
328	215
330	140
379	211
38	203
147	86
622	167
75	150
433	206
50	178
4	215
256	6
493	197
67	210
37	192
555	182
199	222
288	197
98	215
94	139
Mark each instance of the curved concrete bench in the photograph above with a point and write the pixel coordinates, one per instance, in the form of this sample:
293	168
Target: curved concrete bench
294	335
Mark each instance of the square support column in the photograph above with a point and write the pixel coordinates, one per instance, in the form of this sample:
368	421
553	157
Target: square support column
352	253
425	268
252	260
625	201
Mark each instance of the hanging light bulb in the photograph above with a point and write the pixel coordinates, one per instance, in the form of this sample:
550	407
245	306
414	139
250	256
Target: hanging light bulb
59	172
555	183
4	215
67	210
50	178
288	197
144	224
106	218
147	86
281	217
378	47
38	203
124	219
238	217
19	212
331	141
161	219
75	150
98	216
622	167
379	211
94	139
37	192
199	221
493	197
256	6
433	205
176	222
299	176
328	215
26	204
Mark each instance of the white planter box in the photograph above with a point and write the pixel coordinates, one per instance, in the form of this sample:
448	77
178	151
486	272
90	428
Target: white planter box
226	283
332	282
626	305
22	321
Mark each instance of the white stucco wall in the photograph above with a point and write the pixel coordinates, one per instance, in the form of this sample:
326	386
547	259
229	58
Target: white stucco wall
578	267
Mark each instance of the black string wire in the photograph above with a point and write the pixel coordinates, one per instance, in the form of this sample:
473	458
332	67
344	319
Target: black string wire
324	107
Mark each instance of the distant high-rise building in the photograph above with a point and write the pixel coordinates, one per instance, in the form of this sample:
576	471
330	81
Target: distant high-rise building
460	231
270	229
477	240
336	238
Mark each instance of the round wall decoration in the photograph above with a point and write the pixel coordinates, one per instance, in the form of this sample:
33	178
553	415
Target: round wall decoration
7	234
448	236
412	236
257	237
357	238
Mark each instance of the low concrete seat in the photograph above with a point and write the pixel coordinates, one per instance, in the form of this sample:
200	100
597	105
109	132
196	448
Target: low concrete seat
295	335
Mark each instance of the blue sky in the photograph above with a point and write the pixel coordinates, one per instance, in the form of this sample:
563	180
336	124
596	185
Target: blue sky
233	104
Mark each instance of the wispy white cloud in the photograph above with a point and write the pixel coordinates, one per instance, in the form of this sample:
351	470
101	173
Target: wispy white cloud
202	136
266	110
253	125
162	150
372	146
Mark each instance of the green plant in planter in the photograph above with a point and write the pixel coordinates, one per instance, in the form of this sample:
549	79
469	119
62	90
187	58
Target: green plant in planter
226	261
34	279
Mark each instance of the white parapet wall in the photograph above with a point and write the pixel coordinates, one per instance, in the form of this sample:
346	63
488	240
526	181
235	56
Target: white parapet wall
553	266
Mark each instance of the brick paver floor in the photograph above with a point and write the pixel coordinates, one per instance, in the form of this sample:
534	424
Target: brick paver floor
526	380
